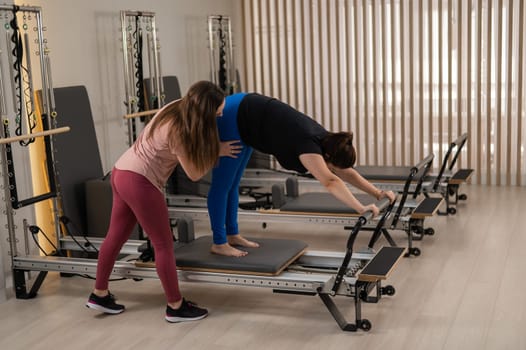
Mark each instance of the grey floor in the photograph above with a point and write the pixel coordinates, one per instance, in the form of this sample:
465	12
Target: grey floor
464	292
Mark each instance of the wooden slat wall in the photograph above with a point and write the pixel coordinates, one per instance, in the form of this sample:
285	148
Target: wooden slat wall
407	77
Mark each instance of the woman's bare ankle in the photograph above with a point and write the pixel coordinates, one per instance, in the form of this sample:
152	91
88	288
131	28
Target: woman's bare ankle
101	292
241	241
176	305
227	250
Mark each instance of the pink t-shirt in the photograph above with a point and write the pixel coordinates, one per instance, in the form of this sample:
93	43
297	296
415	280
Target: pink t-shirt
151	157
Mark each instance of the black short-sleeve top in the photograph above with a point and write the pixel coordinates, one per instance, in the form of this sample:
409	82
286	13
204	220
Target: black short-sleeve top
273	127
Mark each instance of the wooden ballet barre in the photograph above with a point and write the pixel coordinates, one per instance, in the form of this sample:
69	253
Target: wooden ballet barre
140	114
36	134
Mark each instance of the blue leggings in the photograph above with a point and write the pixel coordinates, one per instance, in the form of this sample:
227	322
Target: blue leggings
223	196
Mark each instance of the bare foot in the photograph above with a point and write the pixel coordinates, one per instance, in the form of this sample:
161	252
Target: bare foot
227	250
241	241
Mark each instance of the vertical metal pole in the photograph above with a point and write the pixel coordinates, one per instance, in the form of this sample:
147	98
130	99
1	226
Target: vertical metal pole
231	66
211	40
126	67
157	66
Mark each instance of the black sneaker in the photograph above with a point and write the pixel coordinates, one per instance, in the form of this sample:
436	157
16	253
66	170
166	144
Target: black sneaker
105	304
188	311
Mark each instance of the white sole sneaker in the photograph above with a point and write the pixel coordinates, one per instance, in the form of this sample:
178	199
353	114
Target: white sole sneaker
102	308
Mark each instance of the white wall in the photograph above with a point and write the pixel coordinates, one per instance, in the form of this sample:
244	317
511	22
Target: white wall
83	38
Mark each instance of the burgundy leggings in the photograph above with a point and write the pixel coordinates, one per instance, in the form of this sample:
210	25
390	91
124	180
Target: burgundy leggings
135	198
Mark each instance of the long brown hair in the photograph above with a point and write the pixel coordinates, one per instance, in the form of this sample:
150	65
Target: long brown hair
338	149
193	121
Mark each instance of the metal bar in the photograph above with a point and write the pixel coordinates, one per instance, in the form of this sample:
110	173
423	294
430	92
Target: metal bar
35	9
366	130
498	94
431	83
421	76
488	96
520	99
374	59
138	13
336	314
291	281
450	72
356	86
509	66
231	65
479	91
394	135
402	85
3	103
36	134
211	43
411	87
459	65
469	111
440	81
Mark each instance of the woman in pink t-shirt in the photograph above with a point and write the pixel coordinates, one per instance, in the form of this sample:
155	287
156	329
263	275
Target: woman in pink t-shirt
182	132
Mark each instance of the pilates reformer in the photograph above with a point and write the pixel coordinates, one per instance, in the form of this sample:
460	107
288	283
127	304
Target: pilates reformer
285	266
446	182
409	215
282	265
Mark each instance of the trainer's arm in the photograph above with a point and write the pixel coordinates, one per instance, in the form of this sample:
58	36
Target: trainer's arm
316	165
190	170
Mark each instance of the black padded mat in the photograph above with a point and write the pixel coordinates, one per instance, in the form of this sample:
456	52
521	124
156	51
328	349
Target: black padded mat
272	256
77	156
387	173
427	207
382	264
323	202
462	175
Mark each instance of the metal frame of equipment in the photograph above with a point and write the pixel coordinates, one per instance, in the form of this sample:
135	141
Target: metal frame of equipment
408	216
140	57
221	49
321	273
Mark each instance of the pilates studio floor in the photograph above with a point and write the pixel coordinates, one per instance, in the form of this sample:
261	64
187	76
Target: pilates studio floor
464	292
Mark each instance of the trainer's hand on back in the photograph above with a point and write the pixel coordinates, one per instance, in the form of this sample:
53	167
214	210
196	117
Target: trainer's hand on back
230	148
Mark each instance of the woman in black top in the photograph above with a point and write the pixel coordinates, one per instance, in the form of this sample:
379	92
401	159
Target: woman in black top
298	142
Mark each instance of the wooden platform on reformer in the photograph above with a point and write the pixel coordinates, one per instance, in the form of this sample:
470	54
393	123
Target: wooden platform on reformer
461	176
381	266
270	259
